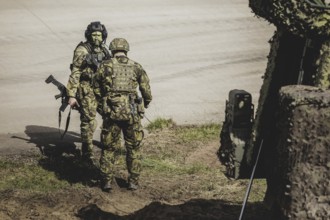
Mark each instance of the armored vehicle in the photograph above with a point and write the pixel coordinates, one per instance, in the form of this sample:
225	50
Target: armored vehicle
291	126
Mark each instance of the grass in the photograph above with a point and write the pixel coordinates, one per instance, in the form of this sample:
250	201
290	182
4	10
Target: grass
159	124
172	167
166	158
200	133
165	150
28	176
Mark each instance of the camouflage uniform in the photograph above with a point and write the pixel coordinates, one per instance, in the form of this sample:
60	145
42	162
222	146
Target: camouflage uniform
116	84
85	63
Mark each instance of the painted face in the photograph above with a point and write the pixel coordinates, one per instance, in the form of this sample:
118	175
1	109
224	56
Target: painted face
97	38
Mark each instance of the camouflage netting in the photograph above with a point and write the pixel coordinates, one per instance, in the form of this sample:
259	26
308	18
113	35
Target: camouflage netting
302	174
261	116
297	16
295	132
283	68
322	78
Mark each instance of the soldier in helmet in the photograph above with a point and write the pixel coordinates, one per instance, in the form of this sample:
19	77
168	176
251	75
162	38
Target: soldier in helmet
116	84
86	60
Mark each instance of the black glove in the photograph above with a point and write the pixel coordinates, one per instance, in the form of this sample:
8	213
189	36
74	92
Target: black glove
99	109
146	104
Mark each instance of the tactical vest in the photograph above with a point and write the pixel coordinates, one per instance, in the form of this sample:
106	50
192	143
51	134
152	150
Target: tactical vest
93	59
122	94
123	77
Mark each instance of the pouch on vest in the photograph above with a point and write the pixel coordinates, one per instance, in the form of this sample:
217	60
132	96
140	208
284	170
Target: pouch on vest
120	107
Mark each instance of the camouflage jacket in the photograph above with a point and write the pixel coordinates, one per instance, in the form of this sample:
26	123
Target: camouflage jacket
86	60
104	79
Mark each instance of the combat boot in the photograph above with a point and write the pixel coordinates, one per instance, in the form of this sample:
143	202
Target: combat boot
87	156
133	186
107	185
88	160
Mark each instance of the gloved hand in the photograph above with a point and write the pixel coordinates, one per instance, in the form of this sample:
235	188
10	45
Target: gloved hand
146	104
99	109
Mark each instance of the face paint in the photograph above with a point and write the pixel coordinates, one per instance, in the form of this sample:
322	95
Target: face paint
97	38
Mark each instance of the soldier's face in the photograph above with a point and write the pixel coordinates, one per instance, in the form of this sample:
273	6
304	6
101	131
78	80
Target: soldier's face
97	38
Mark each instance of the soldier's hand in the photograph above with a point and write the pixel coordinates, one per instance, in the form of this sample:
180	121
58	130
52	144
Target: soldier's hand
146	104
99	109
73	102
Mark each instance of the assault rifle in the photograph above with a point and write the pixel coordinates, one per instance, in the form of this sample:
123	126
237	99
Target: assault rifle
62	95
64	99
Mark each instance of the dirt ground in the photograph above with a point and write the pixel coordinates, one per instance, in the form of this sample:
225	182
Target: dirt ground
169	196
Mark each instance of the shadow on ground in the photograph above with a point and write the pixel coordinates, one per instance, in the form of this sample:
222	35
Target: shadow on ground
61	156
48	140
196	209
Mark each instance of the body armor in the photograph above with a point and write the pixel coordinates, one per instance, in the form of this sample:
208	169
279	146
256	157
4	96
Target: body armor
123	77
92	60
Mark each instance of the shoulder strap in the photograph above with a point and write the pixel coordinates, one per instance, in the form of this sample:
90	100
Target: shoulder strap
114	60
83	44
66	125
106	52
87	45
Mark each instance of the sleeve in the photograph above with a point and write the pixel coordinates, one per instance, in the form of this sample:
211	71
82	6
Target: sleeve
77	66
144	85
97	84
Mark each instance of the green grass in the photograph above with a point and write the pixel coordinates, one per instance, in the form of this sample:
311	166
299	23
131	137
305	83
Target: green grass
169	156
160	123
28	176
198	133
41	174
172	167
165	156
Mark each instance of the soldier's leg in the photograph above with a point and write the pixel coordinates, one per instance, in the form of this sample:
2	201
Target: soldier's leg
110	138
133	135
88	122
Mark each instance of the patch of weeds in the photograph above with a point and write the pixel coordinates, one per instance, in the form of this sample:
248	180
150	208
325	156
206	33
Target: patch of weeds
197	168
258	190
171	167
159	124
206	132
20	175
154	165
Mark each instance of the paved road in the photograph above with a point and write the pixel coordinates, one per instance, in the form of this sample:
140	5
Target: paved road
194	51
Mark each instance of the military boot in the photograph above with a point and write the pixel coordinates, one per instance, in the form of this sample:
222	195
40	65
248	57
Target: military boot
87	155
133	184
133	170
107	185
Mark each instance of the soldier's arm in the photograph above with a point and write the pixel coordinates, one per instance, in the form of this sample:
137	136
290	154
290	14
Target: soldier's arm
98	82
77	63
144	86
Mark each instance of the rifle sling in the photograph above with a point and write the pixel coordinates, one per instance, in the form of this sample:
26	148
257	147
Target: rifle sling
67	122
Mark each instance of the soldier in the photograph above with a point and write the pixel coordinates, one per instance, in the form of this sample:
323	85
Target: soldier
87	58
116	84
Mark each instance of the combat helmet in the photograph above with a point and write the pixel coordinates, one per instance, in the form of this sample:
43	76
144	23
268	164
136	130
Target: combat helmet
119	44
96	26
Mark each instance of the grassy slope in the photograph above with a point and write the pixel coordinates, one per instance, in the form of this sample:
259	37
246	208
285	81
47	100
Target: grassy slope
179	164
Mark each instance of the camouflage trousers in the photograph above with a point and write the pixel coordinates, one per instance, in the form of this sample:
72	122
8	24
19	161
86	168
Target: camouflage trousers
111	140
88	123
